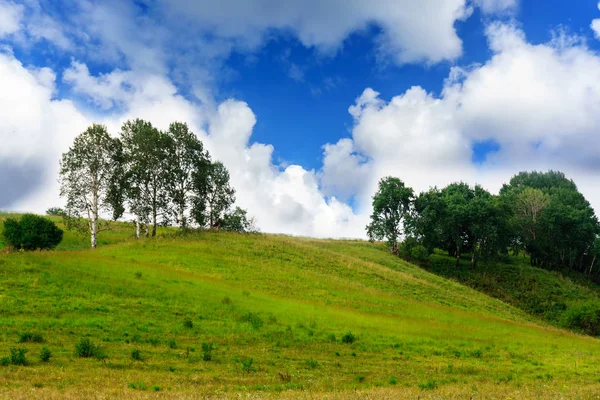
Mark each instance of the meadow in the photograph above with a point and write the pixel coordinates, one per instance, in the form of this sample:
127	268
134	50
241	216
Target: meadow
223	315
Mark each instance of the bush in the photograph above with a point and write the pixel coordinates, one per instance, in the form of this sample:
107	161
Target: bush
45	354
28	337
188	323
17	356
253	319
419	253
85	348
32	232
136	355
584	317
349	338
207	348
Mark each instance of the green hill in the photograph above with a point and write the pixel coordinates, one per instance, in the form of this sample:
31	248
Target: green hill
221	314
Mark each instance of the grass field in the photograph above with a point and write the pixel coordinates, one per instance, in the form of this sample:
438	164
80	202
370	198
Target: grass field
226	315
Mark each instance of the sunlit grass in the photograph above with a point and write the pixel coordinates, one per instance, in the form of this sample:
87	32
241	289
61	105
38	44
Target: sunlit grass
285	304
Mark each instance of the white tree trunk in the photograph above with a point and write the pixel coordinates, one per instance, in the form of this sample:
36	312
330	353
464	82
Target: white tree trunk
181	218
138	228
94	222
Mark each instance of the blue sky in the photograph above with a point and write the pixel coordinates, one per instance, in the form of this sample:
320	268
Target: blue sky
309	103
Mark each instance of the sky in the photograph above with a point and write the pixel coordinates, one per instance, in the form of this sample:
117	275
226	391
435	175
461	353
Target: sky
308	103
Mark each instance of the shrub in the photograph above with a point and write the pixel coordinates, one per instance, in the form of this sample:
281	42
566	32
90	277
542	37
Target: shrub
584	317
348	338
28	337
419	253
5	361
136	355
188	323
172	344
45	354
312	364
17	356
247	365
85	348
139	385
32	232
429	385
207	348
253	319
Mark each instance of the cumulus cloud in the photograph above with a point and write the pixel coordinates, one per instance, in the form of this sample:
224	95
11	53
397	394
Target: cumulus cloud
538	102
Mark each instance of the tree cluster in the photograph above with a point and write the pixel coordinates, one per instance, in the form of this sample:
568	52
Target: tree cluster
158	177
541	214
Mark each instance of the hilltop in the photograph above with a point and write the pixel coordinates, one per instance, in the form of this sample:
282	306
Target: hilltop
223	313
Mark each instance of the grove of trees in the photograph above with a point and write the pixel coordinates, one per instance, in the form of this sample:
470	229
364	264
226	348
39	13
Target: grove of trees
542	215
158	177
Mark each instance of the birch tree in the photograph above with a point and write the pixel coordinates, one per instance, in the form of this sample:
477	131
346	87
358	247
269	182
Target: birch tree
87	178
146	154
214	196
186	159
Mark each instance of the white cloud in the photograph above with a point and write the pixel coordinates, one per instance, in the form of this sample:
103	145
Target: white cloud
11	15
596	28
539	102
411	31
497	6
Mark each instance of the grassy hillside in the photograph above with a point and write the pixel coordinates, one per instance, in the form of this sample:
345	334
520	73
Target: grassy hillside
549	295
285	317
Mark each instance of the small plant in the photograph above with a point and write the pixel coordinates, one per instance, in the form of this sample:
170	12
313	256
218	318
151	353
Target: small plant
253	319
429	385
188	323
331	337
207	349
139	385
45	354
312	364
226	301
28	337
360	378
477	353
17	356
85	348
138	275
348	338
393	380
247	366
136	355
5	361
156	388
172	344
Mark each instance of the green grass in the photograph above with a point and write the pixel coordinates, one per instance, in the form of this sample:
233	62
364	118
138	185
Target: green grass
548	295
273	311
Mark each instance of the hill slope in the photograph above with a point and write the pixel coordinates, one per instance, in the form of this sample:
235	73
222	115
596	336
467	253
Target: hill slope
280	314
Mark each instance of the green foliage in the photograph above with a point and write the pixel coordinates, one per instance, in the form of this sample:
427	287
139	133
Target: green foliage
56	212
188	323
584	317
137	385
349	337
419	253
85	348
248	365
254	319
32	232
428	385
89	176
18	356
391	206
45	354
238	221
136	355
29	337
214	195
207	349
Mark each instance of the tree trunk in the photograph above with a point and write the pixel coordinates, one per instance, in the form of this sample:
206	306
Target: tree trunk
457	256
181	217
473	259
395	248
154	223
94	221
138	227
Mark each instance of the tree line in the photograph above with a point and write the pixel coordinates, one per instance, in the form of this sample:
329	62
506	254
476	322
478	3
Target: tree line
158	177
540	214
